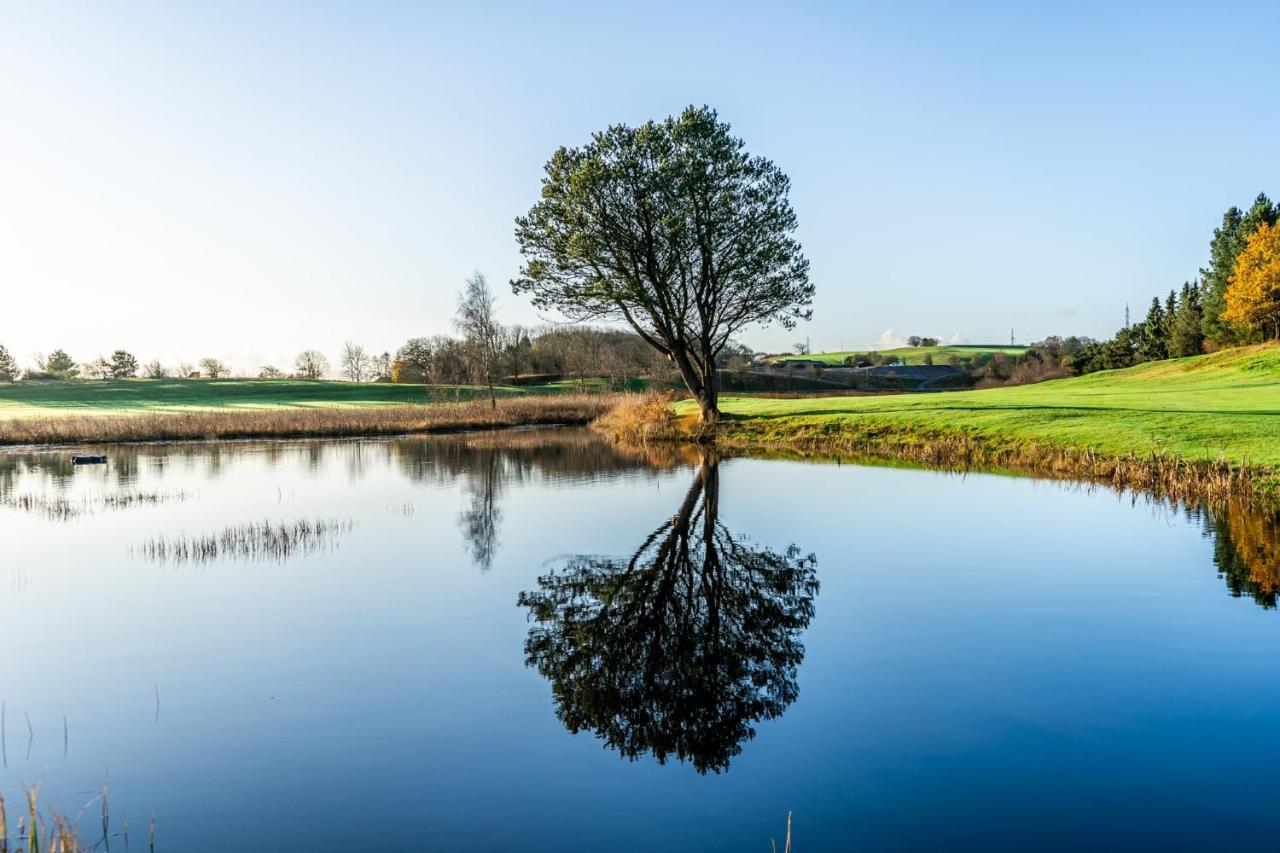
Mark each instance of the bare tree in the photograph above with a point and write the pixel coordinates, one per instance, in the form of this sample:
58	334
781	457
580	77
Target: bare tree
477	321
355	362
214	368
311	364
516	348
155	370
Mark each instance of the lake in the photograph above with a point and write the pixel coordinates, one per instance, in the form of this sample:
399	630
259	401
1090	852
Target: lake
533	640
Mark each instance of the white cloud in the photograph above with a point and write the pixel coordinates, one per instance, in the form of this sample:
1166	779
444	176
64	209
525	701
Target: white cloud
1065	312
957	338
889	339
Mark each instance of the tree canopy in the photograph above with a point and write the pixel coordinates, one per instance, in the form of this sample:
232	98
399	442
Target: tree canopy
673	228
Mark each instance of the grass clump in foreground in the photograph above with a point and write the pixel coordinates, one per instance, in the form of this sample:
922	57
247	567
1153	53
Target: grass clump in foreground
1198	428
529	410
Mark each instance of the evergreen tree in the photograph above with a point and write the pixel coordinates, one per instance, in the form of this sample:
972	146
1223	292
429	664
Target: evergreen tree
1185	335
1227	244
123	365
1152	345
8	366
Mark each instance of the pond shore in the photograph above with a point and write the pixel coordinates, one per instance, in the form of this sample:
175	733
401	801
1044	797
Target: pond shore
303	422
1198	429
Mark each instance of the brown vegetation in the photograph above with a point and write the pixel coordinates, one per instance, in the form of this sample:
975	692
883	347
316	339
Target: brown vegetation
299	422
1161	475
640	419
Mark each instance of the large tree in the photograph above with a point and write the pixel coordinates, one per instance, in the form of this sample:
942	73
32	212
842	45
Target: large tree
673	228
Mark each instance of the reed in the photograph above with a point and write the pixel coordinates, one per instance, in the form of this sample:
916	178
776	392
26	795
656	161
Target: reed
531	410
63	508
261	541
641	419
1163	475
56	834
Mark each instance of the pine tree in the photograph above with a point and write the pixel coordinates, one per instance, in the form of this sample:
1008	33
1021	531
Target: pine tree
1152	343
1186	336
1227	244
8	366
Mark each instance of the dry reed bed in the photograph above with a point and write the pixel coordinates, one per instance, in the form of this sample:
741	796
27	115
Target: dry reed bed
299	422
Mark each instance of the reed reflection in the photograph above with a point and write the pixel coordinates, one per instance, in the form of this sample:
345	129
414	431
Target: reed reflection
678	650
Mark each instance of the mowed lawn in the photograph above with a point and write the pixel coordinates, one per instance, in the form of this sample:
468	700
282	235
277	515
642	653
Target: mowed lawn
139	396
916	355
1225	405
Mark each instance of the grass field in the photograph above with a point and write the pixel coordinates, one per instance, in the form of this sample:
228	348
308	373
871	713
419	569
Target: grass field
173	396
915	355
1224	406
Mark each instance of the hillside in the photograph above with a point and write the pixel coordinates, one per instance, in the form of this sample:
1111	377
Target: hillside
1220	406
915	355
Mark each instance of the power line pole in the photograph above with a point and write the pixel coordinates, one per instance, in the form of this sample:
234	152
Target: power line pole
1011	337
1126	316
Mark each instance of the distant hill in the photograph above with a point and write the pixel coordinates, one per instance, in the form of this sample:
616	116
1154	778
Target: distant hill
915	355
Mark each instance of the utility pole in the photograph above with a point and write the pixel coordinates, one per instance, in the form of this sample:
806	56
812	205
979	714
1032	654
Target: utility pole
1011	337
1126	316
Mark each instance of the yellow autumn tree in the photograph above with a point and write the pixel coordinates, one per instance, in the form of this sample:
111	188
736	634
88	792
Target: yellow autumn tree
1253	296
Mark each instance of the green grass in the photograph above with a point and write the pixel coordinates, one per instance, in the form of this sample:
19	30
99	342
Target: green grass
145	396
1221	406
915	355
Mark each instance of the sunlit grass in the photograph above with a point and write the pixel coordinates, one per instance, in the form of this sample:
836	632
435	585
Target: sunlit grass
1224	406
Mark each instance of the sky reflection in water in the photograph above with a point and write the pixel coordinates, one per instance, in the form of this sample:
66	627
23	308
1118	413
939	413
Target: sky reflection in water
903	658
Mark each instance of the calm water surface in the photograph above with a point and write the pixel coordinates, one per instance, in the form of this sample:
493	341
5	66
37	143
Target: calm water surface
534	641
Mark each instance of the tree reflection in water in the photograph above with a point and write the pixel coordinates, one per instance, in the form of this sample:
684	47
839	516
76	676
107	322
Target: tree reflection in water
1246	549
680	649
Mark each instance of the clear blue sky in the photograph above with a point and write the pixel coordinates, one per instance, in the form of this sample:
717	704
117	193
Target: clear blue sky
248	179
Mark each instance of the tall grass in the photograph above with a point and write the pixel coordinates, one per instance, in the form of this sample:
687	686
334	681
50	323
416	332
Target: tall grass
298	422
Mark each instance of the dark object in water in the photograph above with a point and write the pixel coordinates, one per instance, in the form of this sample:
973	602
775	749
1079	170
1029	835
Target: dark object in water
89	460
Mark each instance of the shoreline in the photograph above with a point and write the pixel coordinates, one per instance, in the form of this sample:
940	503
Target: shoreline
1163	475
301	423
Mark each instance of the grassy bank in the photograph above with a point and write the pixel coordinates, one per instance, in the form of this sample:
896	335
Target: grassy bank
298	421
1189	427
24	400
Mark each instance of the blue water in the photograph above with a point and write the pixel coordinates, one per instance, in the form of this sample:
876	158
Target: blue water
975	662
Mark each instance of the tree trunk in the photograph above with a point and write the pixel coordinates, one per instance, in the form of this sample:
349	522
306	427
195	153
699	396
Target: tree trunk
709	399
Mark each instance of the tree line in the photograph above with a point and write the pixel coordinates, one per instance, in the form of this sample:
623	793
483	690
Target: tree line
1235	301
